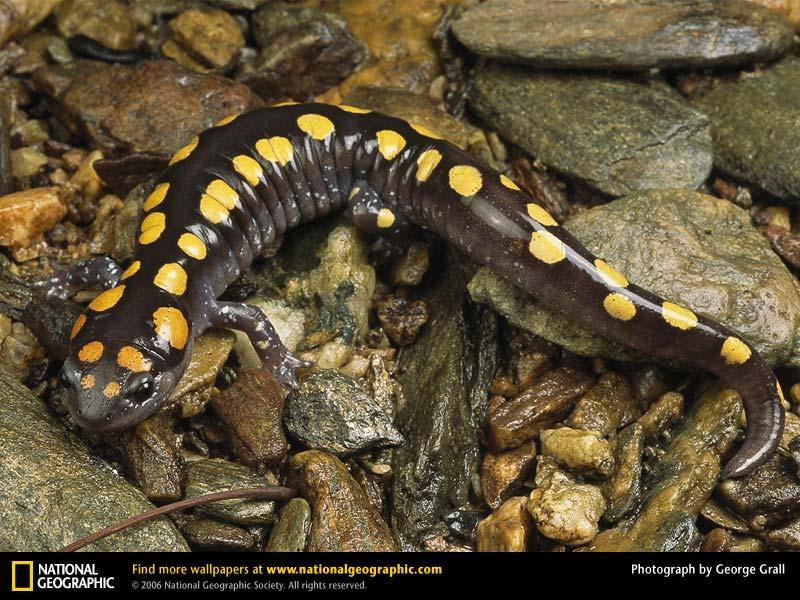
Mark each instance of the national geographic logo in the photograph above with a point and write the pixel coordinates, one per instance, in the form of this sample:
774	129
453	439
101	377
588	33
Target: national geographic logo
27	577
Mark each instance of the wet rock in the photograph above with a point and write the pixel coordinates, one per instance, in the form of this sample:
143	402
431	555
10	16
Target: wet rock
6	169
419	109
342	518
608	406
290	533
542	405
581	34
583	452
720	516
154	459
506	530
530	357
616	136
503	472
20	16
680	482
208	475
209	353
661	416
463	522
86	178
208	39
563	509
401	319
790	8
623	489
410	268
106	21
55	490
150	106
304	51
207	534
649	384
20	351
444	376
26	215
707	253
26	162
753	120
332	412
786	537
251	409
768	494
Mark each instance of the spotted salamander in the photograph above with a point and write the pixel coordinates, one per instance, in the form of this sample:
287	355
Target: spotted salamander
229	195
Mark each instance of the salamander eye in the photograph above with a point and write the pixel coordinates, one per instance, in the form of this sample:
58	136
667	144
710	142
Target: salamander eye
140	387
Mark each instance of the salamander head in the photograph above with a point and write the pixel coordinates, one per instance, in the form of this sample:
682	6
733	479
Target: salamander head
124	363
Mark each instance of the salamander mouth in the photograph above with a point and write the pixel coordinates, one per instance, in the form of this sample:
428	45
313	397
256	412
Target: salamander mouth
123	415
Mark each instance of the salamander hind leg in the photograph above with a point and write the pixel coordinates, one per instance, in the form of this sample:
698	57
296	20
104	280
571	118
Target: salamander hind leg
101	270
372	216
254	323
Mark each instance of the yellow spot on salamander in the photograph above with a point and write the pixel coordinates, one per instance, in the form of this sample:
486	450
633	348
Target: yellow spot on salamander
426	163
354	109
385	218
107	299
130	358
678	316
248	168
184	151
78	325
212	210
171	278
223	193
275	149
192	245
508	183
546	247
111	389
609	274
152	227
156	197
735	351
537	213
170	325
317	126
132	269
424	131
87	381
465	180
390	143
225	120
619	307
91	352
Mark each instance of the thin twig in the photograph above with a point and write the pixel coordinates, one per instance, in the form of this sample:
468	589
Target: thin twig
260	493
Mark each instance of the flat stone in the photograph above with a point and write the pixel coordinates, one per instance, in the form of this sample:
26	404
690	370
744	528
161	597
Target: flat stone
583	34
20	16
623	489
342	518
608	406
106	21
209	353
661	416
503	472
56	490
616	136
542	405
150	106
754	123
290	533
251	409
707	253
207	534
211	37
331	412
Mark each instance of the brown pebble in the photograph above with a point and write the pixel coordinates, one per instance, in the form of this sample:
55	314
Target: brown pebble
503	472
26	215
508	529
401	319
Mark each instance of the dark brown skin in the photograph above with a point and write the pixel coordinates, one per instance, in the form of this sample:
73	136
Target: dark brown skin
242	184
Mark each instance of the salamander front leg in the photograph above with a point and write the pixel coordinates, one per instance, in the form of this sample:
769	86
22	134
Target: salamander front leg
254	323
100	270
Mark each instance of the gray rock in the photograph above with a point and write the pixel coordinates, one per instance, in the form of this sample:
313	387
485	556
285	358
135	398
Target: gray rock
207	534
754	126
209	475
693	249
614	135
290	533
54	490
333	413
585	34
445	376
